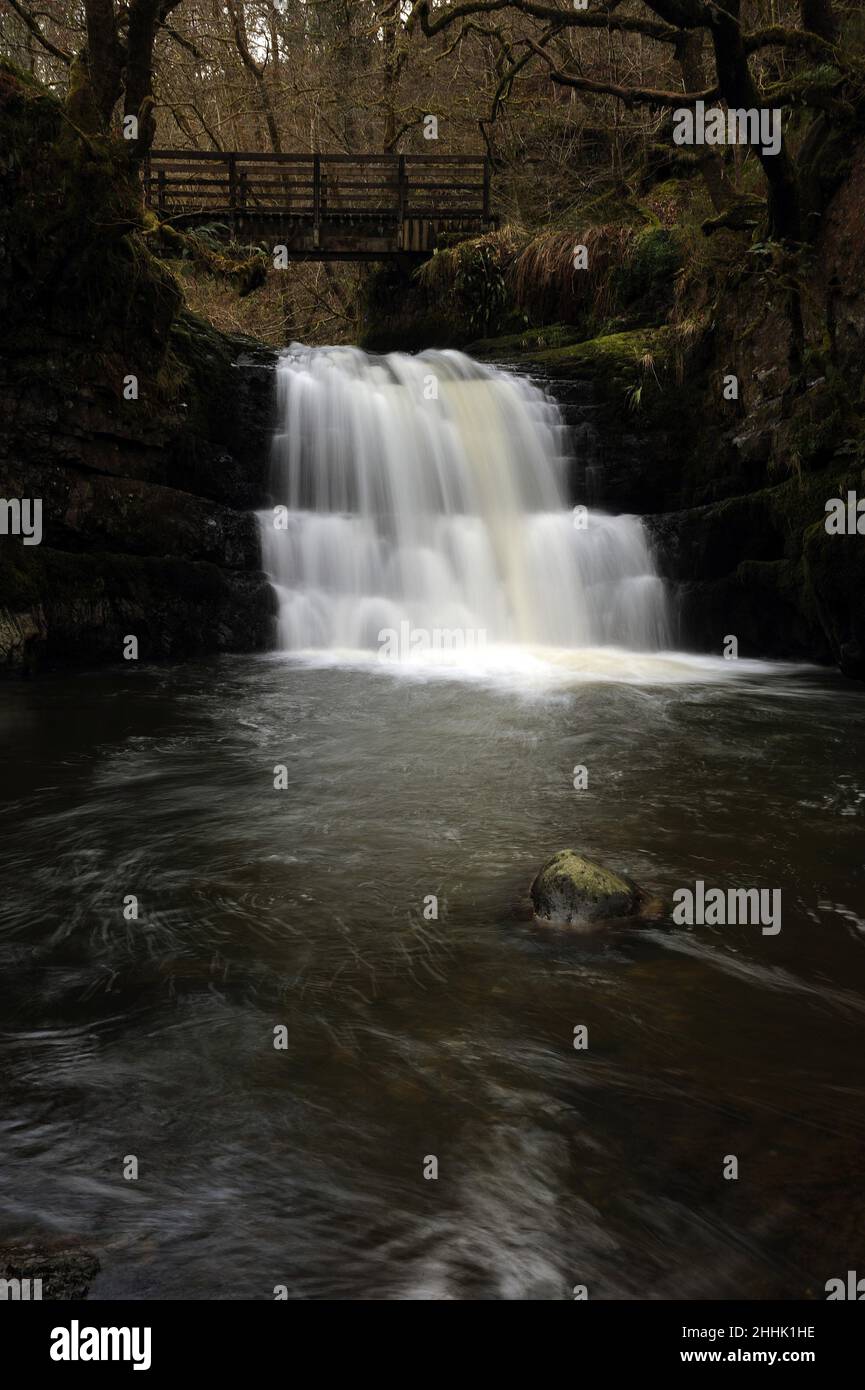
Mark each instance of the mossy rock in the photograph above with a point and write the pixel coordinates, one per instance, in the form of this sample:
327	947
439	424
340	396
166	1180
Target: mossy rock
611	359
527	343
572	890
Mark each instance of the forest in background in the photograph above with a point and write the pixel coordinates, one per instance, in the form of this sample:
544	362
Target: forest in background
574	107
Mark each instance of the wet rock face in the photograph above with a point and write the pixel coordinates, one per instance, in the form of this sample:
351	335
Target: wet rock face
143	432
574	891
62	609
147	525
736	529
835	569
620	465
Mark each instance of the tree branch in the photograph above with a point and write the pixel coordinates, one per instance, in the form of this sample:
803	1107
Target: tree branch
179	39
567	19
633	96
37	33
776	35
630	96
684	14
506	80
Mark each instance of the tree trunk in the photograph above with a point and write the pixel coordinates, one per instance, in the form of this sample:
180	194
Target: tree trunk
143	16
95	79
818	18
739	91
689	54
235	9
389	75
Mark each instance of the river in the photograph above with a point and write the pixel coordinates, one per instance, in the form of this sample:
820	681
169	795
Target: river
409	1037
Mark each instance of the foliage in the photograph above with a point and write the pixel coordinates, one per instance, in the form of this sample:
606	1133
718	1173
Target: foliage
211	249
647	271
471	277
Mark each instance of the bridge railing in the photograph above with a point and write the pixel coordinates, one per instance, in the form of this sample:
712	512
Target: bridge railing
317	187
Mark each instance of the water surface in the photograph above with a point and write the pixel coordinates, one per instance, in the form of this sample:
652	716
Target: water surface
408	1037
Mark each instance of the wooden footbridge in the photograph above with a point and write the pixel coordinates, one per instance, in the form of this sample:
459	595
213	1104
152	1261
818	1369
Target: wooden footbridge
324	207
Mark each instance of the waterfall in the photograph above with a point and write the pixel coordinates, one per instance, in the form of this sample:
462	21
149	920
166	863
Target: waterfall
428	495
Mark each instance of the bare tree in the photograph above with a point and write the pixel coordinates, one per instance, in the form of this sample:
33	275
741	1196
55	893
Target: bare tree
671	23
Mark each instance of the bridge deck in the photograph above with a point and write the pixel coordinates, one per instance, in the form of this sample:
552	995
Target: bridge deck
324	206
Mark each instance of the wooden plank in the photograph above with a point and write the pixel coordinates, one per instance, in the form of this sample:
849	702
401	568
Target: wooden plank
179	167
335	182
159	156
271	176
357	158
282	171
445	158
162	156
461	187
316	198
185	180
206	195
448	214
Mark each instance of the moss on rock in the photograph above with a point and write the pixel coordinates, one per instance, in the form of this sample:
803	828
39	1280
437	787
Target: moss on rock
570	889
527	343
609	359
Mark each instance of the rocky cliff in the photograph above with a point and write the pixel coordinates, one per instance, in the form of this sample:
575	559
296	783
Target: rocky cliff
143	433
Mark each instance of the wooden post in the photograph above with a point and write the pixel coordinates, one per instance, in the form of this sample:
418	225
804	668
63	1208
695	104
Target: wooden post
403	187
161	194
146	172
402	192
316	200
486	190
232	192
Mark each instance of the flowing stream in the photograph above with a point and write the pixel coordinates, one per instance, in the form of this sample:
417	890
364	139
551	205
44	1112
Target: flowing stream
299	913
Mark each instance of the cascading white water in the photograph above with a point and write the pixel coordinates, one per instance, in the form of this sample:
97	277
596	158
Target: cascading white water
428	494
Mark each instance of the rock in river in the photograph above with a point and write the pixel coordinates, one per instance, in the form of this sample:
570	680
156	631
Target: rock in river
573	890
